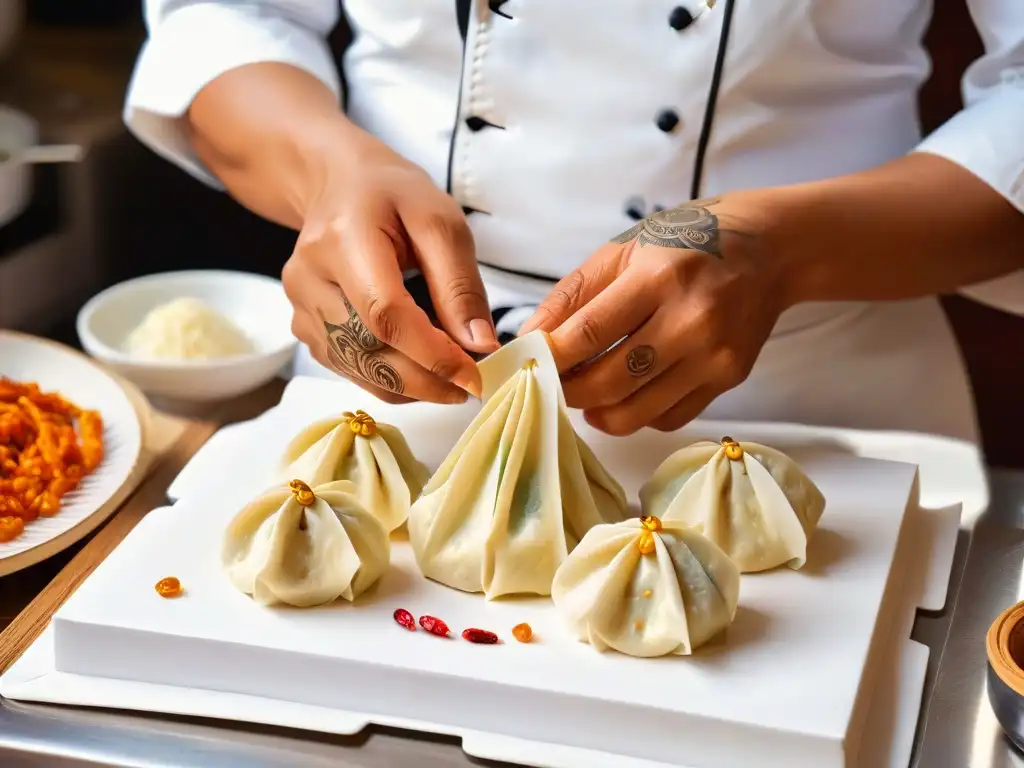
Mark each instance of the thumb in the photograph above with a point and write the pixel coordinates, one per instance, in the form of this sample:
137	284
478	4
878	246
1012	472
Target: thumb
447	258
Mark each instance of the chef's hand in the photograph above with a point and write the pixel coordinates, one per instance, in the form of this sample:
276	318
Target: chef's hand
692	293
373	216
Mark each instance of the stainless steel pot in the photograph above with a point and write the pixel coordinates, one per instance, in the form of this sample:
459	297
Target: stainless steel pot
18	152
18	132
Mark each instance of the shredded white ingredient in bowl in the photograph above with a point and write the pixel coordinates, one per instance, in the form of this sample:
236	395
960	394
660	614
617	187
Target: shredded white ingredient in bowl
186	329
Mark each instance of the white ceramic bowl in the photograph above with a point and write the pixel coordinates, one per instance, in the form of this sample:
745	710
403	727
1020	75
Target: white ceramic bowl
255	303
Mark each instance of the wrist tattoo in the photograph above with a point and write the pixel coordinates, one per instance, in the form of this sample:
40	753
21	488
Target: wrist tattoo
353	350
641	361
691	226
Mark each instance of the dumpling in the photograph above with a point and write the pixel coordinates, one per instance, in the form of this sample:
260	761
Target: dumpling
519	489
751	500
372	455
305	546
647	587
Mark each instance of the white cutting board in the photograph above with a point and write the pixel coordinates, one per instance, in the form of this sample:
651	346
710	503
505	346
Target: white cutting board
783	690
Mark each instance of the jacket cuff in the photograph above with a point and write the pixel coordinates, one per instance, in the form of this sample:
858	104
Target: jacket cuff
193	46
987	139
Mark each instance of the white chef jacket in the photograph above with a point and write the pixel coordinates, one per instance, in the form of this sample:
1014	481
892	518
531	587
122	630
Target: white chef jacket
557	124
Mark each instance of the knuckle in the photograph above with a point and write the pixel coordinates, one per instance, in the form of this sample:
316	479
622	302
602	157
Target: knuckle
298	328
663	269
292	278
464	291
704	314
731	365
544	314
288	271
572	287
590	329
445	226
618	424
315	235
565	295
382	319
444	368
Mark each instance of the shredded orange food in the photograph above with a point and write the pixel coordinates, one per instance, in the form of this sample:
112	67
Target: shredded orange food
42	456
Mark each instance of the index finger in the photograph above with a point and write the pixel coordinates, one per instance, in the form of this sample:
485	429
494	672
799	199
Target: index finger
614	313
576	289
372	282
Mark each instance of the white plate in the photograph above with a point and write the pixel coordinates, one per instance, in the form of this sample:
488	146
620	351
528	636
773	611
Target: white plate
62	370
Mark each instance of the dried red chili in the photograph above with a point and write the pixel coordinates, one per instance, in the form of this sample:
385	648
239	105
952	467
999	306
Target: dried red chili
481	636
435	626
404	618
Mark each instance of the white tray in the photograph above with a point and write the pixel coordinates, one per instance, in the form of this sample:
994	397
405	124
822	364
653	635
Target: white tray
793	685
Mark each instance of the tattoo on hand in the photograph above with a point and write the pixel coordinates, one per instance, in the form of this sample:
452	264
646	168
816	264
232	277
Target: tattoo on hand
351	349
641	361
691	226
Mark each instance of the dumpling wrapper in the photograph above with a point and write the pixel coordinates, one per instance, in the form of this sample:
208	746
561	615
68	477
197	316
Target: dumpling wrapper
280	551
760	507
669	601
519	489
373	456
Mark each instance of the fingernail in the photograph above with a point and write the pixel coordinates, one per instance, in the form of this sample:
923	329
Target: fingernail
473	388
482	332
469	383
456	398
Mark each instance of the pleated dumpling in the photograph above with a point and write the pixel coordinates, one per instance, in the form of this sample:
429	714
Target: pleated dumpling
305	547
646	587
519	490
374	456
751	500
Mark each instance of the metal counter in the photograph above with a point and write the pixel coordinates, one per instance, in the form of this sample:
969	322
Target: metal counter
957	728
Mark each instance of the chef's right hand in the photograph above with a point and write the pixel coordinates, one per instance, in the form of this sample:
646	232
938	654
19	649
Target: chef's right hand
372	216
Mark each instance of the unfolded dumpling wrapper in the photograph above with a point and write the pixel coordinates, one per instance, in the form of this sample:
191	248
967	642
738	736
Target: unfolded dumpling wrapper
373	456
751	500
305	547
519	490
647	587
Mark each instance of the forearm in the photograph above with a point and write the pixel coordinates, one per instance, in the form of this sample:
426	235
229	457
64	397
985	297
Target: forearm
917	226
261	130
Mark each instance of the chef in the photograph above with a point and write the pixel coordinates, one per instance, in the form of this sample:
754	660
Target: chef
720	208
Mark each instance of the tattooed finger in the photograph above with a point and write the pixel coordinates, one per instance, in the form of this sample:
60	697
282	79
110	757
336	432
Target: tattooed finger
385	370
641	360
352	353
361	335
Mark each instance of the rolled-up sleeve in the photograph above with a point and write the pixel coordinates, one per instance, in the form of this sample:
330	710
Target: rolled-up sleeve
987	136
192	43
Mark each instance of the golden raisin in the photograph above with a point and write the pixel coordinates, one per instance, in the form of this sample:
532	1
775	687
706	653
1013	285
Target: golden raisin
522	632
168	587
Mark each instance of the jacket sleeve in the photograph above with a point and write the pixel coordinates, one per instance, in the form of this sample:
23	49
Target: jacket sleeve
191	42
987	136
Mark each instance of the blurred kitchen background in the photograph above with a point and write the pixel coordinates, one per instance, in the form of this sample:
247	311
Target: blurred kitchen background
121	212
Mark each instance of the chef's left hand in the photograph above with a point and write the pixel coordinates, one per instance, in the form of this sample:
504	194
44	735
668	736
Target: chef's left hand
692	293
